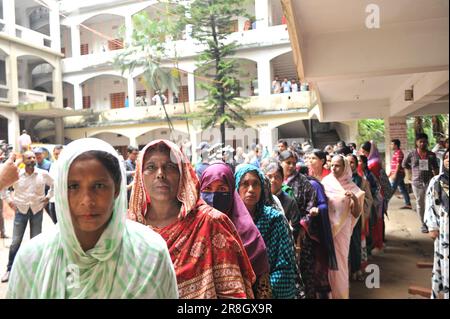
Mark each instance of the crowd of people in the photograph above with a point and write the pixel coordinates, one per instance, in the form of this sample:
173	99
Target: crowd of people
294	223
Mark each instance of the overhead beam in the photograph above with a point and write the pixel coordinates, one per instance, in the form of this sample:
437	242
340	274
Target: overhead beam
355	110
295	36
420	46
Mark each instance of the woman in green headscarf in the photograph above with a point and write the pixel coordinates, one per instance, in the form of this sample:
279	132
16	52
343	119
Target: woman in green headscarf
95	252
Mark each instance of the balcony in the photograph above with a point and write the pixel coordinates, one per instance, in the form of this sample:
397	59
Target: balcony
33	37
31	97
185	48
89	61
299	102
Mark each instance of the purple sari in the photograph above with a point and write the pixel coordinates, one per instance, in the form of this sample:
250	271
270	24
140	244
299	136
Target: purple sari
241	218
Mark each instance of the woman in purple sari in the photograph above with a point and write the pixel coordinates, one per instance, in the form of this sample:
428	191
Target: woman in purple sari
217	189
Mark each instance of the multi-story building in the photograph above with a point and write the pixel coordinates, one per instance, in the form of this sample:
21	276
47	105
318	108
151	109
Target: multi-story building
30	67
89	38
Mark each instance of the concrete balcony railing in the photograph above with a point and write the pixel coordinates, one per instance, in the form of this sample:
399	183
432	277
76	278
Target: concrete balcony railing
246	39
33	37
83	62
277	103
185	48
31	96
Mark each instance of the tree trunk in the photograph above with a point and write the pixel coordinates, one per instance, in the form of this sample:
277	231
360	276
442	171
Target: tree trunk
222	134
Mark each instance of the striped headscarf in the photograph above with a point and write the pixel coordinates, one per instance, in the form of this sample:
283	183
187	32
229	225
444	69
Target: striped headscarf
128	261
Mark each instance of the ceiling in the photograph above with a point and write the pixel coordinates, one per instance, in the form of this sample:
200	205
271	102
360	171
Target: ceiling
358	68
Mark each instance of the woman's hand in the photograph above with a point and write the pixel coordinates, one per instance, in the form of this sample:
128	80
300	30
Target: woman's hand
351	195
434	234
314	211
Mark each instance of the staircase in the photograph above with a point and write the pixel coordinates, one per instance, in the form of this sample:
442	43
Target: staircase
322	139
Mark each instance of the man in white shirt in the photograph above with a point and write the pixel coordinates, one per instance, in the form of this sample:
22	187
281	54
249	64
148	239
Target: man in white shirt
24	142
157	98
286	86
28	202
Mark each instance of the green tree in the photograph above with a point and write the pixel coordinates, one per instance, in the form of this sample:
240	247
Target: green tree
148	50
371	130
210	20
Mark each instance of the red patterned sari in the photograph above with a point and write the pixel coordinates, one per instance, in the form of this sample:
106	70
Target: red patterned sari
208	255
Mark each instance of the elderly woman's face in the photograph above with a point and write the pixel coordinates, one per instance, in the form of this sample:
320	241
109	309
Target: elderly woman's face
250	190
91	192
161	176
337	166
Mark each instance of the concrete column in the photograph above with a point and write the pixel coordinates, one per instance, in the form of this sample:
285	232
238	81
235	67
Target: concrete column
55	27
194	142
265	136
264	77
13	79
131	92
57	84
13	127
262	10
128	28
133	141
9	15
76	40
77	96
191	89
59	130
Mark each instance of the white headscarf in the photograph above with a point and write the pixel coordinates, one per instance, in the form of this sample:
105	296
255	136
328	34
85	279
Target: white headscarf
128	261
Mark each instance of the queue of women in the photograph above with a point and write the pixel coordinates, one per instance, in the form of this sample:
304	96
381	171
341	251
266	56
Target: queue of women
244	232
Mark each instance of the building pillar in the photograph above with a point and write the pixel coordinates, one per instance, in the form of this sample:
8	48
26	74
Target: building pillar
193	138
76	40
262	10
59	130
395	128
128	29
13	129
57	84
265	136
264	77
13	79
77	96
131	92
9	16
55	26
133	141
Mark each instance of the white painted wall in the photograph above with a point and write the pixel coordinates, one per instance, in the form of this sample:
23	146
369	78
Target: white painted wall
100	88
97	43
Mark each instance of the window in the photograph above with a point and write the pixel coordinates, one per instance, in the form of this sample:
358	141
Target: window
115	44
117	100
233	26
86	102
65	102
183	94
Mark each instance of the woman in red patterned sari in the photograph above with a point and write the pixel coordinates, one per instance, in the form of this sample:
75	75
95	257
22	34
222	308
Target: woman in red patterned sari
209	257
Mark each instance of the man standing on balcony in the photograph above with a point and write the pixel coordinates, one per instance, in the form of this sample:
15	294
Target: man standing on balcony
286	85
276	87
294	86
24	142
28	202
